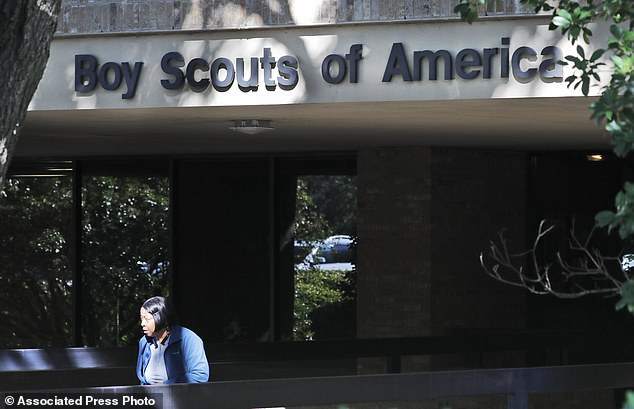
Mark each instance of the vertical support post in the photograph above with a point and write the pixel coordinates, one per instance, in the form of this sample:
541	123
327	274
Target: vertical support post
394	364
77	253
171	227
273	254
518	400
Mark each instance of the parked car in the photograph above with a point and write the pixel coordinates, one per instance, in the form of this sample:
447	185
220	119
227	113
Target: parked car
333	253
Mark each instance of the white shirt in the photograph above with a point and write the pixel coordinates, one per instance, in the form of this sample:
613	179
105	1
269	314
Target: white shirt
156	371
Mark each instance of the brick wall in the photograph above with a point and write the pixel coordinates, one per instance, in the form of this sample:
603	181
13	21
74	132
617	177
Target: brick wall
394	234
425	214
475	194
393	258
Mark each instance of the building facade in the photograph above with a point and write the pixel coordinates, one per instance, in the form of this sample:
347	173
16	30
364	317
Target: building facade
451	132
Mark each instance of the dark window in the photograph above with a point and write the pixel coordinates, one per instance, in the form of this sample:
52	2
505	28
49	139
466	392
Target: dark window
325	274
262	249
125	243
36	277
567	190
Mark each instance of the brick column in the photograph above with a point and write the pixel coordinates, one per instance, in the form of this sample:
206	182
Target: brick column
475	194
393	280
425	214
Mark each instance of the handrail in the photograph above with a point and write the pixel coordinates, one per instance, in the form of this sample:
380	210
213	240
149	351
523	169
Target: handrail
429	345
41	359
74	358
92	367
516	384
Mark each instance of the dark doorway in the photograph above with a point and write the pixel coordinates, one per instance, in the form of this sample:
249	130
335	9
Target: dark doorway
222	234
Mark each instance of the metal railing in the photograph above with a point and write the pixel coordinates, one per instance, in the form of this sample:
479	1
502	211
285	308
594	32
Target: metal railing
56	368
515	384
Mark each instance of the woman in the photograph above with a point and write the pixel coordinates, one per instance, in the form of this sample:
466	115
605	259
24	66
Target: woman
168	353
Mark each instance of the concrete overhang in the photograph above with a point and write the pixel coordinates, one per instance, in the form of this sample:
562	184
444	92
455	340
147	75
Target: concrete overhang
526	124
493	110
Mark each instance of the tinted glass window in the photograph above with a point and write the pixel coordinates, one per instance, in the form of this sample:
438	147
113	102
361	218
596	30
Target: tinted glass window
36	279
325	275
124	254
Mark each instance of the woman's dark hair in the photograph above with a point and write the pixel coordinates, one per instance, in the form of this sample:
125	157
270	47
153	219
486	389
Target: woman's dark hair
162	312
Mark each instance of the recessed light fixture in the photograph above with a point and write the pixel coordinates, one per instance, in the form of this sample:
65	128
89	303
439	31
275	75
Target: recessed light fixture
596	157
251	126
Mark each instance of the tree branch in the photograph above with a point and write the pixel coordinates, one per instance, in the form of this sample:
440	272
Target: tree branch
589	273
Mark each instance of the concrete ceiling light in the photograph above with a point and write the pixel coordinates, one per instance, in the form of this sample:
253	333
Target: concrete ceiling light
251	126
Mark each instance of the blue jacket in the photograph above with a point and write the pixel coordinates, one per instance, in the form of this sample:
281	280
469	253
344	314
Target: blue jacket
185	358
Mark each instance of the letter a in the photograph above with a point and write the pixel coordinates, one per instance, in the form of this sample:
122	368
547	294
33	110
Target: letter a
397	64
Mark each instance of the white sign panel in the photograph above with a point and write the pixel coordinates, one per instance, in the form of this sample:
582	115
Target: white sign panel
409	61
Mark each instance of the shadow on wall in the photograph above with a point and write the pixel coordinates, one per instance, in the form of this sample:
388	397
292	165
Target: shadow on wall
122	15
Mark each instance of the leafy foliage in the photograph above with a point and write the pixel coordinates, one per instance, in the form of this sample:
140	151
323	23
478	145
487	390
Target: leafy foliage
335	200
614	109
629	400
36	280
317	290
325	205
125	250
627	297
623	218
310	225
124	242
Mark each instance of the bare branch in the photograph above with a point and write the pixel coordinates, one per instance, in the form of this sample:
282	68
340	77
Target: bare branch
577	271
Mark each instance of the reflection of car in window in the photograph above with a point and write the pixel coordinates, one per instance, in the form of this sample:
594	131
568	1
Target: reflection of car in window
333	253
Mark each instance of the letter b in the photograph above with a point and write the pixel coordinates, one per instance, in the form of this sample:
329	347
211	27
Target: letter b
85	72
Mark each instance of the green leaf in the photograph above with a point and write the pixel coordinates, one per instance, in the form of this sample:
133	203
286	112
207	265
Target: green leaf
570	80
468	11
561	22
629	400
583	15
627	296
597	54
585	87
613	127
620	148
564	14
604	218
